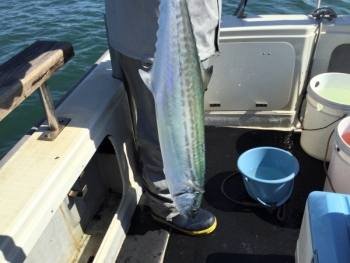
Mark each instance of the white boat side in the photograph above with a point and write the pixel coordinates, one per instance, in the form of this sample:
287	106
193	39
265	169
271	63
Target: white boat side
258	81
36	177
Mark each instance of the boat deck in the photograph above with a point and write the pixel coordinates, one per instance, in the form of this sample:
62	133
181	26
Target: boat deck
243	234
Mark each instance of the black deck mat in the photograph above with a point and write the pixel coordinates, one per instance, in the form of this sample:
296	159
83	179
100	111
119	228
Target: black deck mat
146	239
246	234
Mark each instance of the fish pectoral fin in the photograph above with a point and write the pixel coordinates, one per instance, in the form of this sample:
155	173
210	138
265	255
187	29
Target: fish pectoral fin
146	77
196	188
193	188
199	189
206	76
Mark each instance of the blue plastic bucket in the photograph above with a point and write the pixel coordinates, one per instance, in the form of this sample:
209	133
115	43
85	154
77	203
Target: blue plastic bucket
268	174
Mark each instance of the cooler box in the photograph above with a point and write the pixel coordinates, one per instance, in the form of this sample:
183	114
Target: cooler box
325	230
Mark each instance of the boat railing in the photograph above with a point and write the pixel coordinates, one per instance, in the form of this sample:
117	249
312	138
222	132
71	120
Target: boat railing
29	70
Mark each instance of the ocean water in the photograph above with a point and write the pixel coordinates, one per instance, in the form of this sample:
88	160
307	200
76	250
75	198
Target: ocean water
81	22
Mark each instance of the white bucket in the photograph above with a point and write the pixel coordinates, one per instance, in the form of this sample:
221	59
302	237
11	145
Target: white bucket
339	166
328	99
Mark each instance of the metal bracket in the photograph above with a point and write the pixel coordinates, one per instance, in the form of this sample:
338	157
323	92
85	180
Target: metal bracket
81	174
55	125
78	193
50	135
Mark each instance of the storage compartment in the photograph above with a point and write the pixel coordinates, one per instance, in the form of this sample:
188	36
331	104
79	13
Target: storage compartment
251	76
258	78
78	227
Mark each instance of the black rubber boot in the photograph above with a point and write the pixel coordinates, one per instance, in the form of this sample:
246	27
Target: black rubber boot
204	223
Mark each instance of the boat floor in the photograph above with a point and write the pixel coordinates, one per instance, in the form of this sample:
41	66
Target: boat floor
243	234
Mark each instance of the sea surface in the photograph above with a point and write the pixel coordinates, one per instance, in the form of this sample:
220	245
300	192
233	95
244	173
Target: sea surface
81	22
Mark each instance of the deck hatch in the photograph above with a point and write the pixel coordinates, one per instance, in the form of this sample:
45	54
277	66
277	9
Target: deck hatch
251	72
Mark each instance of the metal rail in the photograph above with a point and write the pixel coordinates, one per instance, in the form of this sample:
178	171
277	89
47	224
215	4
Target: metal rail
28	71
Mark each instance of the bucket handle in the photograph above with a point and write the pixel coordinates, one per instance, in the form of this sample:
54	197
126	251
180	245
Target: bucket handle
279	203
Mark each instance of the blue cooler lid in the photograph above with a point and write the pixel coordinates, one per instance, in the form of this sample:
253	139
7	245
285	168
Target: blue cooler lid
329	215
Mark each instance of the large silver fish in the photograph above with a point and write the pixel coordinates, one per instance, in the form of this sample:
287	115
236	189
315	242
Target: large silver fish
177	81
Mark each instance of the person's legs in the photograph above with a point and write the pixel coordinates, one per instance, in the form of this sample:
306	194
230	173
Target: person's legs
154	182
146	131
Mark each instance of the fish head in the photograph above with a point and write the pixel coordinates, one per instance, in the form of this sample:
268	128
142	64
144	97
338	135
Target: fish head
188	204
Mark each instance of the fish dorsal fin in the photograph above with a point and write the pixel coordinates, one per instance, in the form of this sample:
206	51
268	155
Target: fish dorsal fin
206	76
147	79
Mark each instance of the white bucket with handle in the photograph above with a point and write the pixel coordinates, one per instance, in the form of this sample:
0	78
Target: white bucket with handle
328	100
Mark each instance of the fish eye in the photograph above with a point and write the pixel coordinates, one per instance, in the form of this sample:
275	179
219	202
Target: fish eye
194	211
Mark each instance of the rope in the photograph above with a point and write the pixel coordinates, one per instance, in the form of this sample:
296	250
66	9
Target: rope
281	211
316	129
309	69
320	13
235	201
324	163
